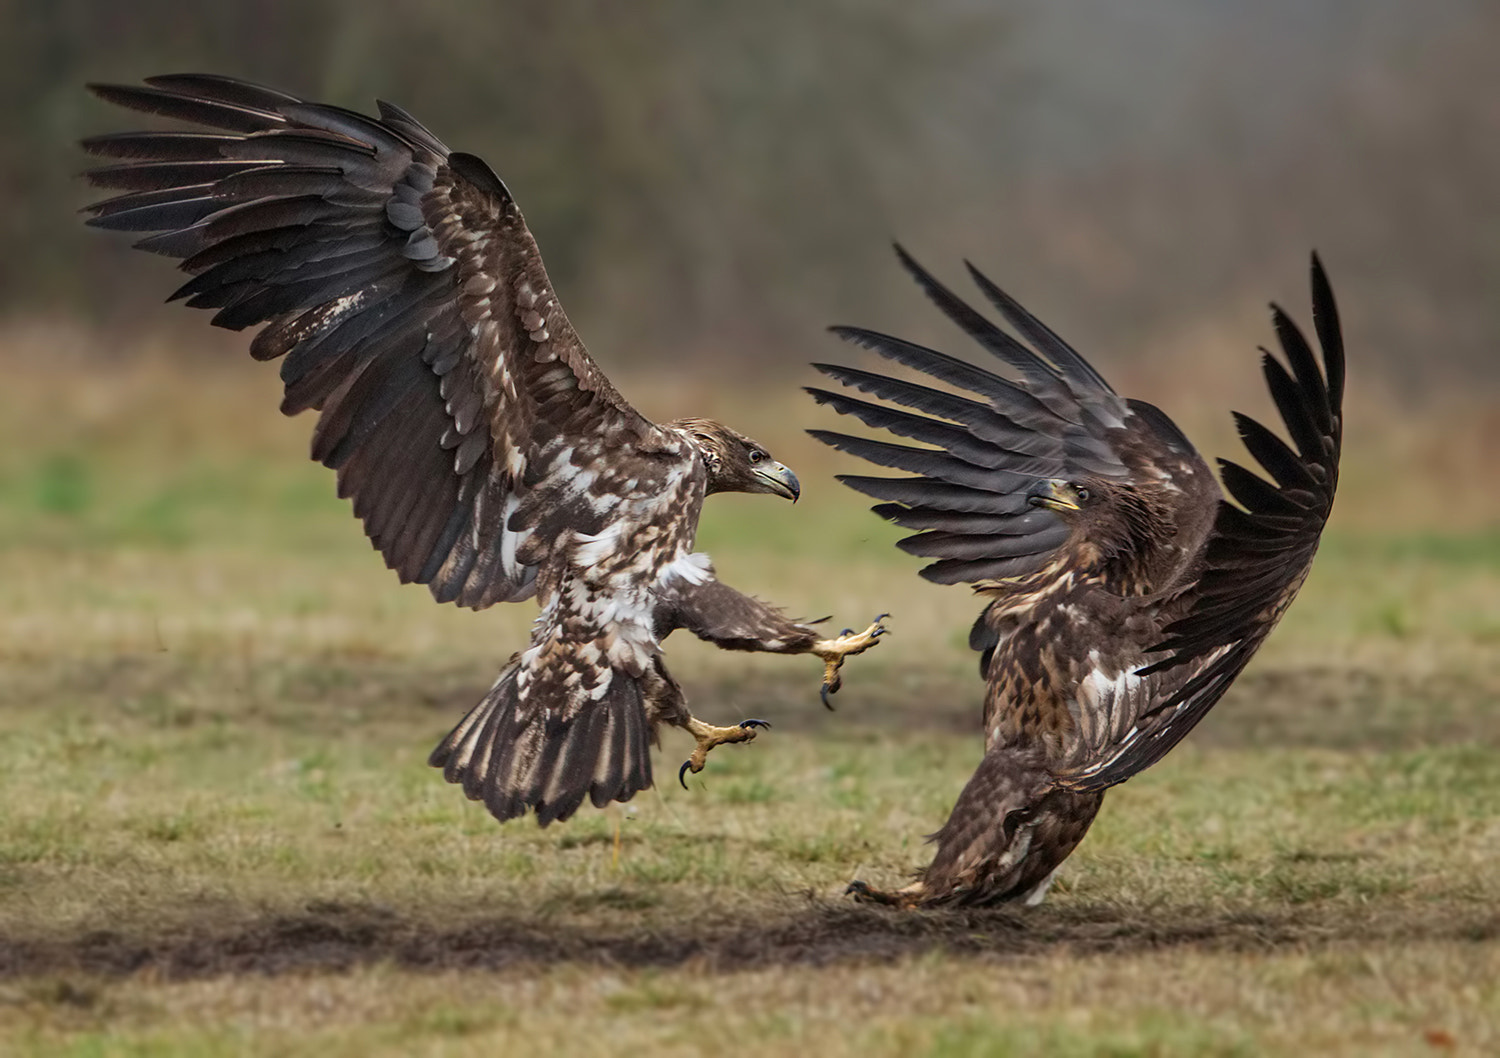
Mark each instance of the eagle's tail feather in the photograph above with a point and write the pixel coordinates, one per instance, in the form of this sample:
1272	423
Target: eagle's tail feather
515	759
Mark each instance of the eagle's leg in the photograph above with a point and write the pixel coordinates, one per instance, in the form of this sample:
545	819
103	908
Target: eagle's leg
709	736
834	651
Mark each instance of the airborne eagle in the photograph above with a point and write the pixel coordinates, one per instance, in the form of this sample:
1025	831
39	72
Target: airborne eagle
1125	593
487	455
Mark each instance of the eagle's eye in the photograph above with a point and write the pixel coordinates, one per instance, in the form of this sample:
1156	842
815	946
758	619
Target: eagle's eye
756	457
1082	493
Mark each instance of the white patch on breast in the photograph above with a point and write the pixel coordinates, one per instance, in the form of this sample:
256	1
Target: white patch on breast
694	568
593	548
1103	688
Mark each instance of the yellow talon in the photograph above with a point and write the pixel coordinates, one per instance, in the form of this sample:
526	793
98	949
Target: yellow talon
834	651
709	736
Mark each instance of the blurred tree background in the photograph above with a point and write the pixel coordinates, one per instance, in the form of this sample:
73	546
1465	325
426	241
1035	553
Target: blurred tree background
712	182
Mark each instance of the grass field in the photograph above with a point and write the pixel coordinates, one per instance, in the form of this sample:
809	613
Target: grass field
219	835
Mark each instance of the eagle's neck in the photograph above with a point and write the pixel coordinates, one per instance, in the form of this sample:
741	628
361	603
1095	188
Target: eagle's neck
704	439
1020	596
1142	553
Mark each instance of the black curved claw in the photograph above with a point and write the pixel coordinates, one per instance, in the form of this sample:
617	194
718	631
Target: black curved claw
846	632
878	618
755	723
827	689
682	773
865	895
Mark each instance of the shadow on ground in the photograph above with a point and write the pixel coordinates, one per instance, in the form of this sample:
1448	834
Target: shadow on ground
339	937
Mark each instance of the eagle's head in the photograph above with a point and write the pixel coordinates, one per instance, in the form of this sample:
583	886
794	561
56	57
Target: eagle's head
1120	533
735	463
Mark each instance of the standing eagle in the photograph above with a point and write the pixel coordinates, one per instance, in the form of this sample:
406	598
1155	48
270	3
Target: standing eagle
486	454
1125	592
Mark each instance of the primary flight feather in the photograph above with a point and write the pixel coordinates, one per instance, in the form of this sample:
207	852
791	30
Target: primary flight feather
483	449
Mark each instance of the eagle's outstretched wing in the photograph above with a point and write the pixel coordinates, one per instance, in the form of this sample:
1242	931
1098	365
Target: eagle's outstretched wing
1059	420
1254	561
410	303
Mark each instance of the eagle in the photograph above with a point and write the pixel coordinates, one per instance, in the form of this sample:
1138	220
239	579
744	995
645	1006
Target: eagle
486	454
1124	592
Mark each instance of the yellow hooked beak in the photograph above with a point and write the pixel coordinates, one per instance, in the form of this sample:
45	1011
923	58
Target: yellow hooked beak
779	479
1054	494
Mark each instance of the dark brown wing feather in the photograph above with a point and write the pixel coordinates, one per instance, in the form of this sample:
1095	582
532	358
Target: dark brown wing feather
1060	419
404	293
1256	556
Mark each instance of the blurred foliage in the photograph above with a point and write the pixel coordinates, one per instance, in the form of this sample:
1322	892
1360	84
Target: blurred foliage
608	120
712	180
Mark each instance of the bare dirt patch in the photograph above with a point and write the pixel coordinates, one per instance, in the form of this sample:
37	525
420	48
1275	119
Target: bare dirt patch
340	937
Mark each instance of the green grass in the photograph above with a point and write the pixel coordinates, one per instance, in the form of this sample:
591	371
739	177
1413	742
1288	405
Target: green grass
219	834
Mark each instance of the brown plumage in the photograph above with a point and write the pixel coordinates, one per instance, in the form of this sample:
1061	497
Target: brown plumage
483	449
1125	593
